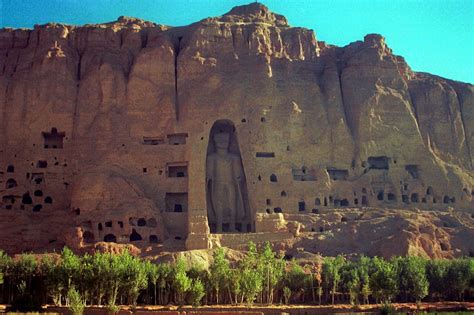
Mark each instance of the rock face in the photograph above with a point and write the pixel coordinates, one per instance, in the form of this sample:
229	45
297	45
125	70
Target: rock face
105	131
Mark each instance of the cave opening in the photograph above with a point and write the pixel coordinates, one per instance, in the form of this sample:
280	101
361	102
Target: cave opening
88	237
110	238
378	162
135	236
53	139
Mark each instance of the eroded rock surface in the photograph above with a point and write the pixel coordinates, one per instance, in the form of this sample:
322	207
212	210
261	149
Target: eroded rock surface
105	132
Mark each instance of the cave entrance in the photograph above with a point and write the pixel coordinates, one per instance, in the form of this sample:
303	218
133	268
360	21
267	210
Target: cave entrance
226	188
53	139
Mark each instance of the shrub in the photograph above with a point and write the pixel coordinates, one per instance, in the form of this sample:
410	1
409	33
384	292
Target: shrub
76	302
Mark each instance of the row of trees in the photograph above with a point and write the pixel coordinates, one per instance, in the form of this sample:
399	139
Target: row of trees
260	277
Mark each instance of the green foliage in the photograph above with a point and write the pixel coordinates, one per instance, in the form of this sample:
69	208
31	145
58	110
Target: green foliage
69	268
296	279
332	274
251	283
181	281
412	279
112	308
436	272
134	277
5	263
25	266
219	273
351	282
196	292
261	276
383	282
387	308
272	269
49	268
458	276
24	301
164	282
76	302
286	295
250	275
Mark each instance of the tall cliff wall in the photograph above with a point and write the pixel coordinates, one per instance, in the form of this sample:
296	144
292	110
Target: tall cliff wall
105	128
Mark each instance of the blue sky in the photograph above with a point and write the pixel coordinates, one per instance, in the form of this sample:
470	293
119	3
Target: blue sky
435	36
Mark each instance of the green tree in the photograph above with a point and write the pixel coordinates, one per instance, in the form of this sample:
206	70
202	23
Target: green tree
84	284
251	283
332	274
459	275
351	281
164	282
134	277
235	284
100	268
251	280
24	269
412	279
436	272
49	268
297	280
5	266
383	281
5	263
181	281
272	270
113	278
152	276
219	273
196	292
69	270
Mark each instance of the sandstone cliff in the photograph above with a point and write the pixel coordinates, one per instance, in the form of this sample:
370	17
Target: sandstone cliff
104	131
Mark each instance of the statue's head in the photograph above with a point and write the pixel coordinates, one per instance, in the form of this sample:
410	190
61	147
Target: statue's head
221	140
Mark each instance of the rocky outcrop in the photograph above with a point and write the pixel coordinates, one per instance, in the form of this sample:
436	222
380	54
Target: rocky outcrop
105	132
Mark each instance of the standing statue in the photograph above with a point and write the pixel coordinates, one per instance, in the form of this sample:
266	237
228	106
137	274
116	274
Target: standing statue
224	178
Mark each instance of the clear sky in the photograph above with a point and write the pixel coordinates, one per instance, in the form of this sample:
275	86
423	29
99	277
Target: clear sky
435	36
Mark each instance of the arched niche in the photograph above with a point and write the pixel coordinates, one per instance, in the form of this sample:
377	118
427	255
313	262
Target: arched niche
226	187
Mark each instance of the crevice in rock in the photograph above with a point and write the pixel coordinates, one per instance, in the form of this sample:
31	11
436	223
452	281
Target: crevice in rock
121	39
78	72
177	47
232	31
413	105
144	38
247	37
466	140
344	105
345	110
128	67
16	63
76	102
